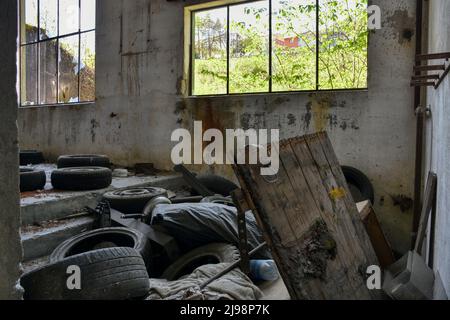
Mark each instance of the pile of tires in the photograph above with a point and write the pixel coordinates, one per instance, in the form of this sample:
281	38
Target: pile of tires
133	200
83	160
112	263
32	157
32	179
82	178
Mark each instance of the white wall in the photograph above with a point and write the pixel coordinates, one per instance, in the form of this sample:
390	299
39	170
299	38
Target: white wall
438	136
139	103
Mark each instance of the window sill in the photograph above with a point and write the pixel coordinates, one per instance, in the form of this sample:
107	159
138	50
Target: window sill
60	105
280	93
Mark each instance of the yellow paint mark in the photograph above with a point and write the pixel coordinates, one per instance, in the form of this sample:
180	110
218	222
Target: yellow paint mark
321	111
337	193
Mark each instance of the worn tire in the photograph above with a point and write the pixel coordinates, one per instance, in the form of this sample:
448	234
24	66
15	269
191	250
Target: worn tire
91	240
209	254
359	184
30	157
107	274
216	184
218	199
84	178
32	180
133	200
83	160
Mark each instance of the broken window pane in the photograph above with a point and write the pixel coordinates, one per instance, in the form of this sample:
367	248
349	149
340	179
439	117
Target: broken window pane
48	17
47	71
210	52
28	79
68	69
87	15
249	47
29	21
343	44
293	45
69	10
87	67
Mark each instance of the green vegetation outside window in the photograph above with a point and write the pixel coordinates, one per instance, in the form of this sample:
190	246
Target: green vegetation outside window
57	51
279	46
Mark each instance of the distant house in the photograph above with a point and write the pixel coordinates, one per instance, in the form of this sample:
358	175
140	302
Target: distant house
290	42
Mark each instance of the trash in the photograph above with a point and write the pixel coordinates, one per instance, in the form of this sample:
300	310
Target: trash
120	173
234	285
132	200
409	279
263	270
197	224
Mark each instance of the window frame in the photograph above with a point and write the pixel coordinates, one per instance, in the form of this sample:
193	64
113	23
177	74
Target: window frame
23	44
192	10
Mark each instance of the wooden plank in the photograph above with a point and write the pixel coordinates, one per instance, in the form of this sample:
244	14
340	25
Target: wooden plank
430	194
304	212
379	242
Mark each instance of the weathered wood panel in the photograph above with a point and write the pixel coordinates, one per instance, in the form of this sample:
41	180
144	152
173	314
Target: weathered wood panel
311	222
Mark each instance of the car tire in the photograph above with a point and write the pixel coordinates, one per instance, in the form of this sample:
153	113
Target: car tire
210	254
30	157
216	184
107	274
132	200
79	179
83	160
106	237
359	184
32	180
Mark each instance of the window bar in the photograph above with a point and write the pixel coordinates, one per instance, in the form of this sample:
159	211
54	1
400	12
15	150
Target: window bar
191	53
79	50
270	46
57	55
37	52
317	43
228	49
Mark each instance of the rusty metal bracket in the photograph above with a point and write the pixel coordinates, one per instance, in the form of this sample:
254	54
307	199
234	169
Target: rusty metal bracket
242	207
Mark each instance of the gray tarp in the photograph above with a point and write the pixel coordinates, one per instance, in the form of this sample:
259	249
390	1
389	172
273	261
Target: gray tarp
234	285
197	224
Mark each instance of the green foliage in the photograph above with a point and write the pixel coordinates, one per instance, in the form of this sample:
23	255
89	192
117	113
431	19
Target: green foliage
342	59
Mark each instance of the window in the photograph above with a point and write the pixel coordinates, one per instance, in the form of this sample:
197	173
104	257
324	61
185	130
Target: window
57	51
279	46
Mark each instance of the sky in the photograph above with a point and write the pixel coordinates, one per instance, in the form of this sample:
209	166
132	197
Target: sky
68	13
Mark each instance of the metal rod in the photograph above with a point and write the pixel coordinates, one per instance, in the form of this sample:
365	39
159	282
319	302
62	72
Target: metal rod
442	77
230	267
429	76
433	56
419	131
430	67
422	84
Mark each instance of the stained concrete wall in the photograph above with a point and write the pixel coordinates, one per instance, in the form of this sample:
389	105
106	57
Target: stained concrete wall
438	136
140	102
10	246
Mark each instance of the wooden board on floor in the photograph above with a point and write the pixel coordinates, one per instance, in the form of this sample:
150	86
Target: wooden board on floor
311	222
378	239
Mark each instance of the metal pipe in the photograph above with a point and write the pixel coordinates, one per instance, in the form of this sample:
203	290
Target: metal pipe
419	131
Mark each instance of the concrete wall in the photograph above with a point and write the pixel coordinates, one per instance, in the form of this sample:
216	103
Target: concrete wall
10	246
438	136
139	103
